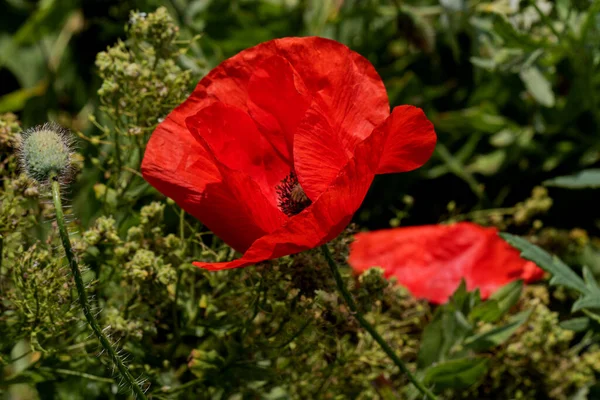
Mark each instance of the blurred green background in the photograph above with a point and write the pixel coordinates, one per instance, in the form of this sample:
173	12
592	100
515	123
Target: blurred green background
511	86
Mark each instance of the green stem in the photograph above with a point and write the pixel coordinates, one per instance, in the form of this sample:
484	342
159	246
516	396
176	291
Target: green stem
370	328
77	373
545	19
83	299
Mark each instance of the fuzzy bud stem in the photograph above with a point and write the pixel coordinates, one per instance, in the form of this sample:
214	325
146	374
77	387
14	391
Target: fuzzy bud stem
370	328
83	299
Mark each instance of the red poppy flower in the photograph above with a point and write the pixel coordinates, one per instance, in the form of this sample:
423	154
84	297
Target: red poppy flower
431	260
276	147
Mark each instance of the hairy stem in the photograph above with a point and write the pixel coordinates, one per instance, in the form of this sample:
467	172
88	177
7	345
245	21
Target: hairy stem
370	328
83	299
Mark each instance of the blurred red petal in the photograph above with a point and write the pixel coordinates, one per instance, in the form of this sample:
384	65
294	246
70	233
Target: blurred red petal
431	260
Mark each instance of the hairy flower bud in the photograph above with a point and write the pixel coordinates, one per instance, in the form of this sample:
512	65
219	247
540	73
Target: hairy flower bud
45	152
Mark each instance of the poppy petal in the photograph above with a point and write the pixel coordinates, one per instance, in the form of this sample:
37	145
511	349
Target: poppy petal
432	260
233	139
318	153
226	211
407	140
342	114
175	163
277	101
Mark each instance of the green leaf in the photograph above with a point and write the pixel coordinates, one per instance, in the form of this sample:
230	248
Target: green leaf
498	304
586	179
431	341
488	312
487	164
513	37
590	299
460	296
473	119
538	86
448	327
456	374
16	100
587	301
561	273
508	295
497	336
576	324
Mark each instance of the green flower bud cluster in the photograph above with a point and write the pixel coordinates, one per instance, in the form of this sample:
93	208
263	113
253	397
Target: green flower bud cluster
37	305
152	214
521	214
371	286
9	141
538	203
141	79
147	266
156	29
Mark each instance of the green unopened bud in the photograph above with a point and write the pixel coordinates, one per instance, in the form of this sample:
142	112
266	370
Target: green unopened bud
45	153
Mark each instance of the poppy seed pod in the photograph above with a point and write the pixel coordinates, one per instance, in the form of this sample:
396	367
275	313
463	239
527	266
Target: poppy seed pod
45	152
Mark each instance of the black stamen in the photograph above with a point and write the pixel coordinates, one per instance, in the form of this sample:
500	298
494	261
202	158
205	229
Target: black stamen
291	198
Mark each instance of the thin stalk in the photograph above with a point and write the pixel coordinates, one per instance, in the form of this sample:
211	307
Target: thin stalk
370	328
83	299
178	285
546	20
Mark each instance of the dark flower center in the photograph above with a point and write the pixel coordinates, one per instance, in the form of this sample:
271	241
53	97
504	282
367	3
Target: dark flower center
291	199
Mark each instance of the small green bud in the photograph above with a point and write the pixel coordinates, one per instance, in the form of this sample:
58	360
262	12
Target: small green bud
45	152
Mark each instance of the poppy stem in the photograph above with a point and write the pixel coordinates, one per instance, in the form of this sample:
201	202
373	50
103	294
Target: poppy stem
368	327
83	299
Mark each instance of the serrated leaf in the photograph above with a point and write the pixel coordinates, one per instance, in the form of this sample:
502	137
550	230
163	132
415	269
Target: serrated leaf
586	179
456	374
561	273
591	300
589	279
538	86
497	336
576	324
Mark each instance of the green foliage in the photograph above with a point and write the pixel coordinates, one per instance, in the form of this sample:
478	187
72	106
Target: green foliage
537	361
460	373
561	273
142	73
452	339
